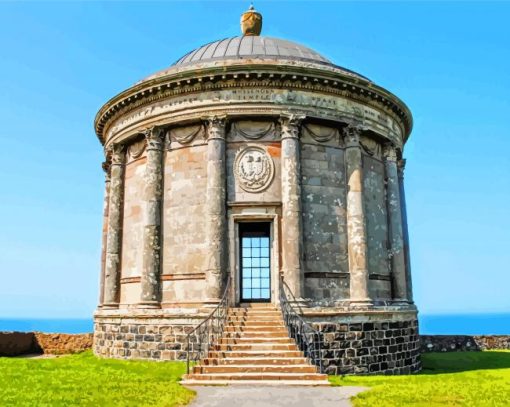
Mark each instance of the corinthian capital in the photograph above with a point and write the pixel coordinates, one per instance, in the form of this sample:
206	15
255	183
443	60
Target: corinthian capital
290	124
216	127
117	152
352	135
154	138
390	152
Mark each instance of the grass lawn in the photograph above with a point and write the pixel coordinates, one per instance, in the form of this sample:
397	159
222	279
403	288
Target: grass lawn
83	379
447	379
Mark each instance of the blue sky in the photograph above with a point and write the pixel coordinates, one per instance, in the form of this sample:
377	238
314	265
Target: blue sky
60	61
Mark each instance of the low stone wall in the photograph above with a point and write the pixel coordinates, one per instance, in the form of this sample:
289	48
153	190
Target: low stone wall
59	344
23	343
457	343
17	343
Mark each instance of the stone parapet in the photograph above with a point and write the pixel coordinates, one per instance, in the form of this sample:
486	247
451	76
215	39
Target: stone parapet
24	343
462	343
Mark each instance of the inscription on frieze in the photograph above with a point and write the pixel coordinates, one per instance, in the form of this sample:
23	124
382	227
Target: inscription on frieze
328	106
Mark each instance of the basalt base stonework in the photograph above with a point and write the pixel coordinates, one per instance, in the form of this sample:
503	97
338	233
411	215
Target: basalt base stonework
140	341
151	334
252	163
362	348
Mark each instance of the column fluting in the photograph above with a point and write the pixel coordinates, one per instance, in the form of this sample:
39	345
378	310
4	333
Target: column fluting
215	207
114	236
151	264
292	230
396	251
356	222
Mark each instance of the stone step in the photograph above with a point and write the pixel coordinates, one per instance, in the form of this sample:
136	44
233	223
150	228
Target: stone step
255	334
205	369
257	353
256	318
255	328
257	305
264	313
256	347
249	382
256	376
254	360
249	323
255	340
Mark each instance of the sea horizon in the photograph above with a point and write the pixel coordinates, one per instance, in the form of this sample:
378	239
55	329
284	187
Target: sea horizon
496	323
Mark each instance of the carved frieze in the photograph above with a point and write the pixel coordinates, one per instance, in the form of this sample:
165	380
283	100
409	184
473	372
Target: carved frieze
327	106
253	130
253	169
371	147
136	149
319	133
185	135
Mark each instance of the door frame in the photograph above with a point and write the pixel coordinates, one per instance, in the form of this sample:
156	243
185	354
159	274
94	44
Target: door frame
254	215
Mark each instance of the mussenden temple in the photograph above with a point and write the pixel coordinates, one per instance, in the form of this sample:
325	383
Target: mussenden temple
255	218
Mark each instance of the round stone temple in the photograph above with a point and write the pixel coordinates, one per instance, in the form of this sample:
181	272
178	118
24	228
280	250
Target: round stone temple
255	174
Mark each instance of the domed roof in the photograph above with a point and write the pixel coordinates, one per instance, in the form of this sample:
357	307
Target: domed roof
252	47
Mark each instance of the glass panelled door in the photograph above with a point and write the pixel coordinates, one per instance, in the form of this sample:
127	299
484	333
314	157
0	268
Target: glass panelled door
255	257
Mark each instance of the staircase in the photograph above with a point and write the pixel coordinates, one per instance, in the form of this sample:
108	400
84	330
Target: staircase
255	349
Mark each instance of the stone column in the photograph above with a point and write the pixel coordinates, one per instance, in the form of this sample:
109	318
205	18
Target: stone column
356	223
215	208
407	254
114	237
396	251
106	169
292	231
151	262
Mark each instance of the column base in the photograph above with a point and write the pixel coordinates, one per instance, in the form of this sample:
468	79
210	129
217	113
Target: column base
110	305
400	301
149	304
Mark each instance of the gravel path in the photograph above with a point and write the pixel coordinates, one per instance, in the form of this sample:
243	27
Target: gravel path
273	396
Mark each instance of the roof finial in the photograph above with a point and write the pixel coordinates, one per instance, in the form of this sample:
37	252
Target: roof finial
251	22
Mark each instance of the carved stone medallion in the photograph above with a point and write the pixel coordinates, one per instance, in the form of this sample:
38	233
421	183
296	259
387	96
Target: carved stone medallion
253	169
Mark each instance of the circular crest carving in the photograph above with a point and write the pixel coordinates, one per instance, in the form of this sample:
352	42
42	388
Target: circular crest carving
253	169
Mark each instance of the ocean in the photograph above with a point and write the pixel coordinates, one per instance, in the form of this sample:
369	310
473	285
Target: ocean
460	324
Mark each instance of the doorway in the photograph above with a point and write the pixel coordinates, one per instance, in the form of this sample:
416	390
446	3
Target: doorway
255	261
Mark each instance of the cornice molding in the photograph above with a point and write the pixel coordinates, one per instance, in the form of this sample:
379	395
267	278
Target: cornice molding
191	82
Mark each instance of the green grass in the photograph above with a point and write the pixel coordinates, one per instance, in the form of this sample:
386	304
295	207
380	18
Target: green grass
84	379
448	379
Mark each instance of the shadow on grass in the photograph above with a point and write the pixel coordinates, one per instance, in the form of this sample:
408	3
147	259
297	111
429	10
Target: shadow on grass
452	362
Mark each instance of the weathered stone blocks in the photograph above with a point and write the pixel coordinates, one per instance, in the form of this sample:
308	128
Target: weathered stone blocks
158	341
378	347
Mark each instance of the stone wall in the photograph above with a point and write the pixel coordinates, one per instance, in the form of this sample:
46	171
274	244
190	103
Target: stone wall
326	268
370	347
59	344
23	343
458	343
132	225
143	337
374	199
184	242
